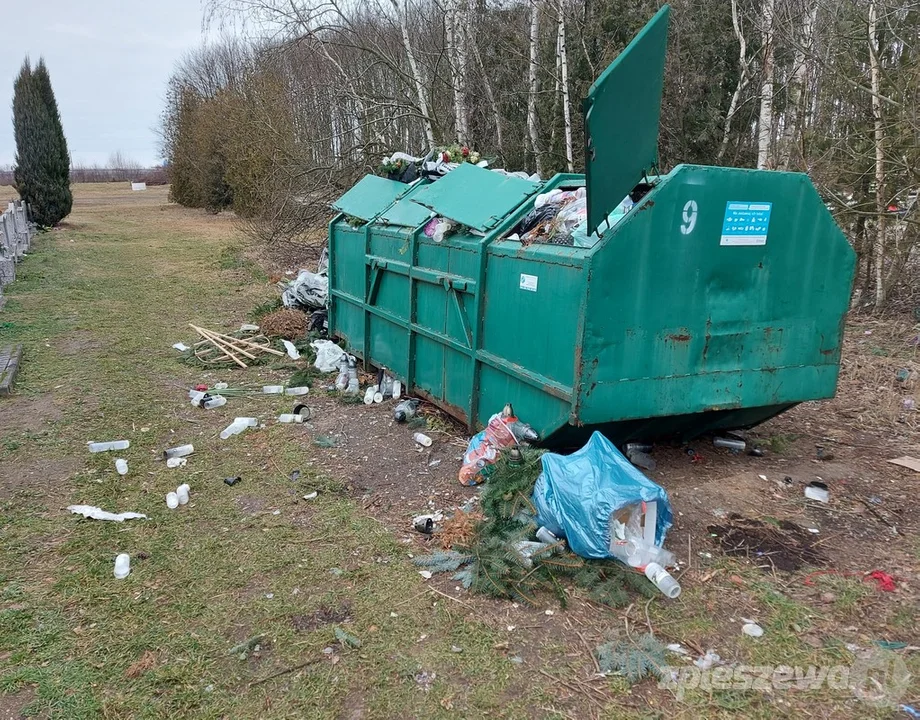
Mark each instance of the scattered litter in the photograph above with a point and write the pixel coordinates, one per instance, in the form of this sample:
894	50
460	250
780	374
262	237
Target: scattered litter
309	291
328	355
276	512
311	496
297	391
272	389
176	462
814	531
909	404
677	648
752	629
269	596
907	461
817	490
328	651
426	523
549	613
425	574
121	466
756	452
122	565
422	439
641	459
504	430
295	475
172	500
179	451
705	662
96	447
903	375
434	463
338	572
456	649
405	410
237	426
182	493
883	581
181	347
346	639
662	580
733	444
910	710
94	513
232	480
822	454
249	327
289	418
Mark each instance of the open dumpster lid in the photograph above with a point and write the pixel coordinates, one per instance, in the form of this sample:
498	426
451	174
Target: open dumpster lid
475	197
622	111
405	213
369	197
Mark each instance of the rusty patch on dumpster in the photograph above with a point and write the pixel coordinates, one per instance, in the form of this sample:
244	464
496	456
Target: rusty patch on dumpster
682	337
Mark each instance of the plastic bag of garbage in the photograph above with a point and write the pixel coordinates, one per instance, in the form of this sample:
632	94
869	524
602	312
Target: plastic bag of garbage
577	495
504	430
309	291
328	355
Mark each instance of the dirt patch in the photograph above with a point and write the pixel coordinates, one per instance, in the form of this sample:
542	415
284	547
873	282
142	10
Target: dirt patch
250	504
79	342
783	545
37	476
29	414
324	615
143	664
11	706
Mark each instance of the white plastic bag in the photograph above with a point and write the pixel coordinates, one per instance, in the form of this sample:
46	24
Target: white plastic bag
328	355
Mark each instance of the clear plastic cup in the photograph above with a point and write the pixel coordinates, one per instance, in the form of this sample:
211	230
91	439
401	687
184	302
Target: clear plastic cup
172	500
122	566
182	493
121	465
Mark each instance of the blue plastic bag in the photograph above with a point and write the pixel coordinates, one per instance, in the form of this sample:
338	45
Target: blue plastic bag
576	494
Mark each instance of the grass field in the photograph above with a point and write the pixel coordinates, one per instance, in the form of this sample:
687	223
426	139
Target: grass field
97	306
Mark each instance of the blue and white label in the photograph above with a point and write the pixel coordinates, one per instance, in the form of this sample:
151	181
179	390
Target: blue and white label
746	223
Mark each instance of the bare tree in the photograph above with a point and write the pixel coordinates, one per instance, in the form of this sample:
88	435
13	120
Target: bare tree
881	200
765	123
533	86
562	52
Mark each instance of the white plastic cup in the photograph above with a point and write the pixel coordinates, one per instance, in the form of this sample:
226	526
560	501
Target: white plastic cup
662	579
215	401
179	451
122	566
95	447
422	440
182	493
302	390
121	466
290	418
273	389
172	500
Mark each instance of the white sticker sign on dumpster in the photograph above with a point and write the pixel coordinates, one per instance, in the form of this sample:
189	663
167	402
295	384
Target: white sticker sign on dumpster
746	223
529	282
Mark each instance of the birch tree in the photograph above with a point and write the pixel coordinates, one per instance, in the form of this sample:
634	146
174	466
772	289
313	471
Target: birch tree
794	117
420	90
881	201
744	77
533	86
765	122
564	81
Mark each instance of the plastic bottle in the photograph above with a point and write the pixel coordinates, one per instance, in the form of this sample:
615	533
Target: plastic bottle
182	493
422	440
397	389
730	444
176	462
234	428
179	451
302	390
247	422
406	410
272	389
353	385
215	401
121	466
122	565
220	386
662	579
369	395
172	500
197	397
341	380
95	447
290	418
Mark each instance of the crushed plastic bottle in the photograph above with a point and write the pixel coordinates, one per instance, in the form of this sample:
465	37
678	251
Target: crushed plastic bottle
176	462
290	418
121	465
302	390
422	440
732	444
406	410
369	395
341	380
122	565
96	447
179	451
237	426
272	389
214	401
182	493
353	385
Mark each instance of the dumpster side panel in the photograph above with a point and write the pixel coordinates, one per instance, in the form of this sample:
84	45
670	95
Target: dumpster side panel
723	289
348	271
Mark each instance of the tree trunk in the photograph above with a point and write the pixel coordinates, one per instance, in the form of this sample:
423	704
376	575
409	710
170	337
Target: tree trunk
881	202
416	75
795	109
490	95
566	106
743	79
534	87
765	124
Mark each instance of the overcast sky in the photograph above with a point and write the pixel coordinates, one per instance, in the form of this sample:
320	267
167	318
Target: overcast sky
109	61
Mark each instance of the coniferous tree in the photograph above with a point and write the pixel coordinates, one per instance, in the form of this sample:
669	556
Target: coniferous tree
42	173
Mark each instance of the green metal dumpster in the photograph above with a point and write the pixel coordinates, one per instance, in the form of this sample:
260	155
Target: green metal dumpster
715	302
